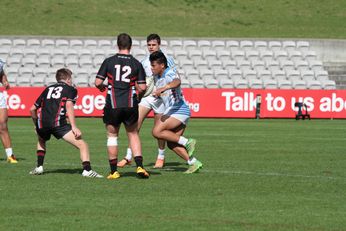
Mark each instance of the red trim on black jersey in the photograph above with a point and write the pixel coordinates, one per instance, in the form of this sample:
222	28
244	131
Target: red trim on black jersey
112	82
39	114
62	104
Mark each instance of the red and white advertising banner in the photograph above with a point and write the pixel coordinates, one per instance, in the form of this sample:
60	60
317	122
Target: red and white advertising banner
212	103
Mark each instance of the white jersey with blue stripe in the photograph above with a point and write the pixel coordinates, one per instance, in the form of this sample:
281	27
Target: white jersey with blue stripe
173	99
147	66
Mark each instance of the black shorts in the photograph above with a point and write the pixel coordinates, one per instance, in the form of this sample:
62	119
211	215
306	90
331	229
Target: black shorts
57	132
115	117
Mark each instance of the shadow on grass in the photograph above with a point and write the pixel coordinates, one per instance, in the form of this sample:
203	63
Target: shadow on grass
134	174
171	166
65	171
19	159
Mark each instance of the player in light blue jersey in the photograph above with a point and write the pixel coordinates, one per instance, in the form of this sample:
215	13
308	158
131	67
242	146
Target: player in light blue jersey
151	103
172	123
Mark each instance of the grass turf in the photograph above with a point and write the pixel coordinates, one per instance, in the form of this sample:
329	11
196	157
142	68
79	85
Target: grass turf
180	18
258	175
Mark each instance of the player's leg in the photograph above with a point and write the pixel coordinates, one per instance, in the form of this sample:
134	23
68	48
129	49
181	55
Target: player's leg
164	129
4	134
171	128
112	150
112	119
131	126
143	111
160	160
40	153
83	147
194	164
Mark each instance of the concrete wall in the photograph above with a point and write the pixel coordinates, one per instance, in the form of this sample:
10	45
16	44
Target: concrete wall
329	50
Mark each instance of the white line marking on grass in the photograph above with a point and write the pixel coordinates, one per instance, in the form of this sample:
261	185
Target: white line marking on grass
271	174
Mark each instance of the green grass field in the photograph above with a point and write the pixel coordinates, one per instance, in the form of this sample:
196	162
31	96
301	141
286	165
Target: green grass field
257	175
180	18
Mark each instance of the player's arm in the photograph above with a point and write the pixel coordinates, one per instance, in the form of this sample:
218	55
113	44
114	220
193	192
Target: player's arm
101	76
36	106
4	80
70	114
173	84
141	87
140	83
33	113
99	84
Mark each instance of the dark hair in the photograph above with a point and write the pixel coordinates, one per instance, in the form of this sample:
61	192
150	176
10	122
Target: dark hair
154	37
63	74
159	57
124	41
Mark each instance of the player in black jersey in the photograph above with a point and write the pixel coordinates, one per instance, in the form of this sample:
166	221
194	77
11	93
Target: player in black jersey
49	114
126	86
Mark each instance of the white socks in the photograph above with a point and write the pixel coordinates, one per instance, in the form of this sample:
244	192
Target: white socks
191	161
128	154
182	140
161	154
9	152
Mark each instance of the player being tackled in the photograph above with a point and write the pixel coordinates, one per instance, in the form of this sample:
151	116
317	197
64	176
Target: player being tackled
173	122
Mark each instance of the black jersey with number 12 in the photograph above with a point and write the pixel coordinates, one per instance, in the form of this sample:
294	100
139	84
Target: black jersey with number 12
122	71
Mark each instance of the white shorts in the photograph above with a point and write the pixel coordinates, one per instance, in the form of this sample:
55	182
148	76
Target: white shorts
2	101
181	112
153	103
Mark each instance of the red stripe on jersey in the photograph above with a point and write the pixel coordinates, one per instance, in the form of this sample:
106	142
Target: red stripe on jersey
132	83
62	104
130	98
111	81
39	114
133	80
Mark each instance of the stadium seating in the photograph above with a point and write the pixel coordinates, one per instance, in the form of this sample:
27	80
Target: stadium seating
218	45
201	64
226	83
260	45
206	63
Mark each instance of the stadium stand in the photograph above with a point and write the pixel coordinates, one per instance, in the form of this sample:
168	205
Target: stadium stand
204	63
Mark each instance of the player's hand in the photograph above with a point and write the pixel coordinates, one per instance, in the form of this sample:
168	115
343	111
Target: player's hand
77	133
158	91
6	85
102	88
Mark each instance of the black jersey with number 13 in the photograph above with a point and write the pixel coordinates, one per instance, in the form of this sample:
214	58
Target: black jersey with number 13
122	71
51	105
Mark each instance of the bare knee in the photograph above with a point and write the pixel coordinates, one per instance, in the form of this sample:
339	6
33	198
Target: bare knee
3	127
156	133
82	145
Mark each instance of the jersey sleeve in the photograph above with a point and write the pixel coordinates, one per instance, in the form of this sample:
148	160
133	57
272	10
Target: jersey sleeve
72	95
102	73
171	75
39	100
171	64
141	74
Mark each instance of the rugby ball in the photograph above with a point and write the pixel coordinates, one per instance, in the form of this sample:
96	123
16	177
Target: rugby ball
150	85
